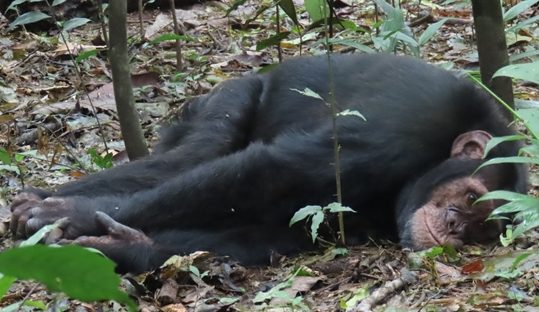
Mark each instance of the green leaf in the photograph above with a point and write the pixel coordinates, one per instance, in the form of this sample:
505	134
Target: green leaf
530	117
497	140
394	21
29	18
358	295
526	54
74	23
14	4
228	300
317	219
508	238
30	153
350	25
338	207
518	9
5	283
38	304
275	292
290	10
394	28
529	203
57	2
509	274
532	149
318	9
84	55
308	92
19	306
503	195
272	41
5	157
19	157
434	252
339	251
519	259
430	31
74	270
410	41
11	168
511	160
531	222
39	235
304	213
519	26
355	113
385	6
525	71
103	162
170	37
193	269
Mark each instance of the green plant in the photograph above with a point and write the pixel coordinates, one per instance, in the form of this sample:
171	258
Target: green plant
103	162
36	16
196	272
523	208
317	214
10	162
279	292
394	30
79	272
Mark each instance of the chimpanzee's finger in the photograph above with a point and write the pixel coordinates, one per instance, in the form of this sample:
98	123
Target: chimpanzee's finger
57	234
114	228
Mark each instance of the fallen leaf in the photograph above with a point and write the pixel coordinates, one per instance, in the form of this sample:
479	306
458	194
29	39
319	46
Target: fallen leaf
473	267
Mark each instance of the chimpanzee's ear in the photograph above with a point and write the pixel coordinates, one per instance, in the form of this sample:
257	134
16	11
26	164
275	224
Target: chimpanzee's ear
470	144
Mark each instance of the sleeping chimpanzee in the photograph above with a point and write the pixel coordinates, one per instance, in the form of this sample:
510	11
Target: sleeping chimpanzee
248	155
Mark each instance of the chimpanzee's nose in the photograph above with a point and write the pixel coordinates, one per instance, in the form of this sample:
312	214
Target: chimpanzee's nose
454	221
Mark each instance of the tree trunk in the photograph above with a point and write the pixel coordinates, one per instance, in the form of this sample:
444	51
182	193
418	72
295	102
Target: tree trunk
492	47
121	77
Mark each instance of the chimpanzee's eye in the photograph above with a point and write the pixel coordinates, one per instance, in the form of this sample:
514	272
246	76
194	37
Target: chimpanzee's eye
471	197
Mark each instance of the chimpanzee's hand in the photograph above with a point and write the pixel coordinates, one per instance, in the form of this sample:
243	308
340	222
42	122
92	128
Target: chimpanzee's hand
21	205
129	248
30	213
28	197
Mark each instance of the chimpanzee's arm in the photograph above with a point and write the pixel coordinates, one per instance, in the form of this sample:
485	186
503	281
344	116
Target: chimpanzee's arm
262	182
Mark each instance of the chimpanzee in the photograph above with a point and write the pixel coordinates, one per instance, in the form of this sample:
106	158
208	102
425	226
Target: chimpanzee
245	157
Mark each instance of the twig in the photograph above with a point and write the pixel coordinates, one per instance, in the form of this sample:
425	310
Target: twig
407	277
23	301
179	64
78	73
278	31
141	26
428	18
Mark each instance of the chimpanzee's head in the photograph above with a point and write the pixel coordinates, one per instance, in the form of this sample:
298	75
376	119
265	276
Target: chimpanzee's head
441	208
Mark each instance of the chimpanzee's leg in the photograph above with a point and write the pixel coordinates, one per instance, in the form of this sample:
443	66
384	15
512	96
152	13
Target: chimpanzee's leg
219	127
134	251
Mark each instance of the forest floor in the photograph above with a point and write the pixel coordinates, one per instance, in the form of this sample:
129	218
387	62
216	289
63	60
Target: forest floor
46	117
